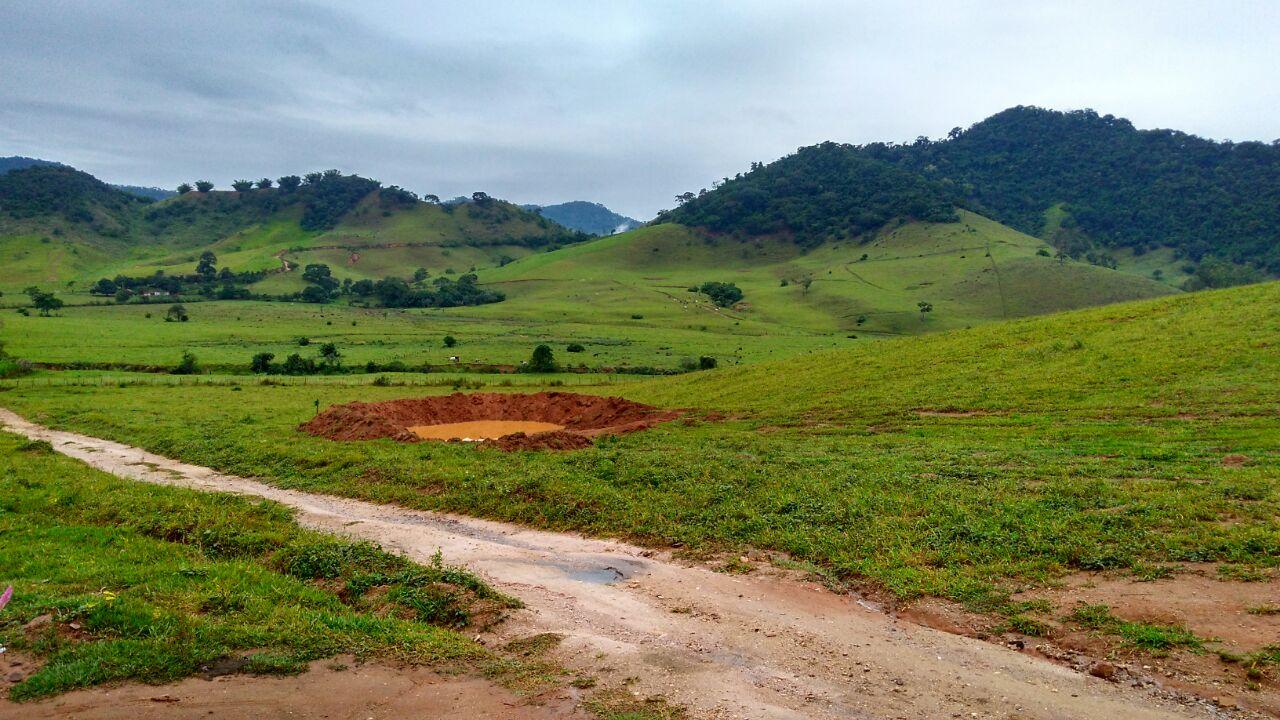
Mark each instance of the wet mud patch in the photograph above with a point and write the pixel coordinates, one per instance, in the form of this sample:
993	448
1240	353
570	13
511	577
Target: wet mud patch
509	421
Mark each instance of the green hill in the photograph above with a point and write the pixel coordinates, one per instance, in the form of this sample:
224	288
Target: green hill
1094	186
60	225
968	271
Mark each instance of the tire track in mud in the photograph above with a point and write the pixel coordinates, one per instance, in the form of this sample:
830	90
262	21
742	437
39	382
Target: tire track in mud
725	646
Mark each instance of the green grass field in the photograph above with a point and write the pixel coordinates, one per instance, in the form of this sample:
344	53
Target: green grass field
126	581
964	464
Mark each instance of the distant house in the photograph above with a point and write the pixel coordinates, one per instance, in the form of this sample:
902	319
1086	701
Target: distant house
156	293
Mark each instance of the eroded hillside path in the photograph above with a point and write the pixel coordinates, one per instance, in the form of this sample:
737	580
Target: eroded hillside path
725	646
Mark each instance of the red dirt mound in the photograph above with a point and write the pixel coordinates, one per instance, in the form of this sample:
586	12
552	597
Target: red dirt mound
582	416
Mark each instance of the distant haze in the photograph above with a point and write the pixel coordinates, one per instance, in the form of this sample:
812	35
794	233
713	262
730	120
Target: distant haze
623	103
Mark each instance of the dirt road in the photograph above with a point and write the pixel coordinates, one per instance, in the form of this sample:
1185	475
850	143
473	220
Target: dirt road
726	646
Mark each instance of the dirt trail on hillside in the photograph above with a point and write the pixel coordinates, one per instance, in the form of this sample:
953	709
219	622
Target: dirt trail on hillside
726	646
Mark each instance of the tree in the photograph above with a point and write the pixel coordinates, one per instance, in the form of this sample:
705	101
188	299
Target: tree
314	294
45	302
203	186
330	356
722	293
542	360
433	199
924	308
184	188
176	313
420	274
123	295
684	197
207	267
313	178
480	198
295	364
261	363
706	362
450	341
242	185
103	287
188	365
574	348
264	184
289	183
362	288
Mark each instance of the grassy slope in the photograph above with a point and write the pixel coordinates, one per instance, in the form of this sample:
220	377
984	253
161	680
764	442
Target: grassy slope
244	238
160	581
972	271
1093	439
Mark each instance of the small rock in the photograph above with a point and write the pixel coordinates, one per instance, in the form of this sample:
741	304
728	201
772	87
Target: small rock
38	622
15	677
1103	670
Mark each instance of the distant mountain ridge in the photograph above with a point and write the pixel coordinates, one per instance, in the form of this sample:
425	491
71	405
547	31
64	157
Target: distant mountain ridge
587	217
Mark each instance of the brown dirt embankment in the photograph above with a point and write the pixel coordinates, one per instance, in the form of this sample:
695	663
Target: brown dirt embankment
583	417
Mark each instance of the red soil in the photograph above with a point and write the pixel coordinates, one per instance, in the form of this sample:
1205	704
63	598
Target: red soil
582	416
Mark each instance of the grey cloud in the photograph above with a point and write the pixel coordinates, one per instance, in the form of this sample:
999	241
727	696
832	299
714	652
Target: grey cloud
626	103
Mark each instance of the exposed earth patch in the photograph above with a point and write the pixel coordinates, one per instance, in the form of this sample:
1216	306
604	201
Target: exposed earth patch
510	421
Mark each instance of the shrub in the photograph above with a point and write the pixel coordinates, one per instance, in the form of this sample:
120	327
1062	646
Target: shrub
188	365
575	348
706	362
542	360
450	341
722	293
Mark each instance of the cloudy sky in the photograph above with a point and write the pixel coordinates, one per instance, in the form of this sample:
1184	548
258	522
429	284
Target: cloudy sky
625	103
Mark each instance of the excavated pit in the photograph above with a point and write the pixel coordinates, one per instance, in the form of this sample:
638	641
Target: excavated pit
545	420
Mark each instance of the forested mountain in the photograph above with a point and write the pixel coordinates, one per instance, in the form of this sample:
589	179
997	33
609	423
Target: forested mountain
822	192
1119	186
48	190
1090	184
587	217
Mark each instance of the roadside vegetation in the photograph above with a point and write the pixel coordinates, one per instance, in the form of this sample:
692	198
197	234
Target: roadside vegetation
116	580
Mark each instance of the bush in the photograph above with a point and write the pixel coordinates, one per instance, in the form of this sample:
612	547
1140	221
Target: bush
575	348
706	362
542	360
450	341
261	362
188	365
722	293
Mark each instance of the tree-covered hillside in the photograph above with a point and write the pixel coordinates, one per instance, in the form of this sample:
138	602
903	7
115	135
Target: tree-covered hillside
47	190
827	191
1093	185
1119	186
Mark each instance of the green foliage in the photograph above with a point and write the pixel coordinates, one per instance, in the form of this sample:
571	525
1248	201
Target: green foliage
575	348
66	192
176	313
821	192
443	292
542	360
1122	187
722	293
192	578
188	365
1148	636
450	341
332	195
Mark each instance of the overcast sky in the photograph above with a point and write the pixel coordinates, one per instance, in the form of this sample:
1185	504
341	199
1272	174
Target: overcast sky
625	103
